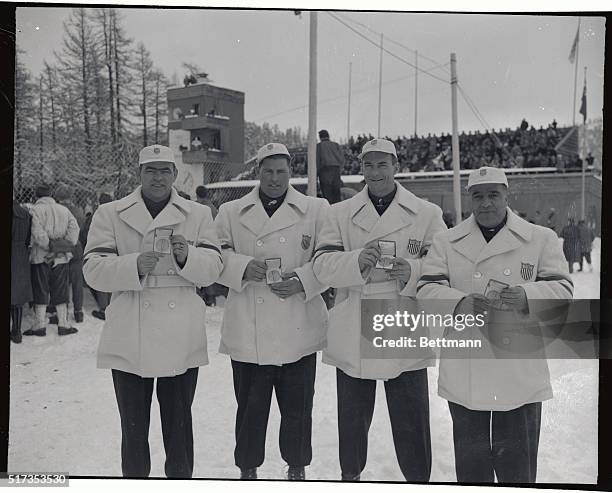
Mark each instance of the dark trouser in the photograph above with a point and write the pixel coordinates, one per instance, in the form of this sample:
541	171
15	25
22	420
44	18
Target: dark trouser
75	273
408	404
330	181
587	256
102	298
16	317
175	396
293	384
48	282
500	442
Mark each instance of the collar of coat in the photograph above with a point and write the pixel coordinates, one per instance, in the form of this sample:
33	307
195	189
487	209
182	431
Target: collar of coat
133	211
253	216
467	238
401	212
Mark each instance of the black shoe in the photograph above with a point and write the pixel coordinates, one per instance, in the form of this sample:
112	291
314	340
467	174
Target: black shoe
349	477
296	473
36	332
16	337
53	320
248	473
78	317
64	331
99	314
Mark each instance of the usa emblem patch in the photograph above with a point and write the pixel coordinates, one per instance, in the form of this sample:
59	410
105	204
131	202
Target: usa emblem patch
306	242
156	150
526	271
414	246
483	172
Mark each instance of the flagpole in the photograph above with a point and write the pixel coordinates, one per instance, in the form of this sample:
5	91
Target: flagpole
380	83
576	72
584	151
416	89
348	117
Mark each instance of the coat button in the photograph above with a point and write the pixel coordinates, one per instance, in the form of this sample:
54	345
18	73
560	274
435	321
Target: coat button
507	272
259	243
172	304
147	304
477	275
171	272
260	300
282	239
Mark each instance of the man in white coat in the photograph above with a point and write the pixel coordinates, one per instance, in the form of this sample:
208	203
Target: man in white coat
495	404
272	330
152	249
346	258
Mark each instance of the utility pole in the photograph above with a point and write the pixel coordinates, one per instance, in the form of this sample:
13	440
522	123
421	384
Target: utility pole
455	141
312	108
348	118
416	89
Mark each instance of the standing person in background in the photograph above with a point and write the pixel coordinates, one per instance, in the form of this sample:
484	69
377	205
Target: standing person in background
102	299
586	237
55	232
571	243
209	293
63	196
330	162
151	249
203	197
21	286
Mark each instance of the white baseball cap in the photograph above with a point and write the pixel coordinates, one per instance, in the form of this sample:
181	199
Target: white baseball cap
156	154
271	149
487	174
379	145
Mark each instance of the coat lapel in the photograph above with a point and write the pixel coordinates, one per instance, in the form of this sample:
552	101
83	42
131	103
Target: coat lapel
509	238
287	214
134	213
467	239
252	214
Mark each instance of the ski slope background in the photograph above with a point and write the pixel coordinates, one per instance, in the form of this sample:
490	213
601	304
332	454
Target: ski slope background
63	414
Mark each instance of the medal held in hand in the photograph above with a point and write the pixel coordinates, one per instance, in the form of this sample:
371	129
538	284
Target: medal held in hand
273	272
161	240
493	292
387	254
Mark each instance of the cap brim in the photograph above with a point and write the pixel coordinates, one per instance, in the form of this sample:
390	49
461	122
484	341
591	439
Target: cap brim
147	161
467	187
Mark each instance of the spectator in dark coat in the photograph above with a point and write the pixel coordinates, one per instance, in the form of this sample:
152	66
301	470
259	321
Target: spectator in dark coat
102	299
571	243
21	285
203	197
330	162
586	241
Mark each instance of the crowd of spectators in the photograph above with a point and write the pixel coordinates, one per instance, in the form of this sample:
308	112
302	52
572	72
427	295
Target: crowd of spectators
524	147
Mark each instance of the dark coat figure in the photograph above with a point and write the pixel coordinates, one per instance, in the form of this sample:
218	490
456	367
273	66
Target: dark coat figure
571	243
21	286
586	241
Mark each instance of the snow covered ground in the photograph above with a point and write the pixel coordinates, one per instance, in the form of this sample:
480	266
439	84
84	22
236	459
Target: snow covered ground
63	415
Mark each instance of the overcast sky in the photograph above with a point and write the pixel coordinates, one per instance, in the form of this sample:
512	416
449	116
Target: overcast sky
510	66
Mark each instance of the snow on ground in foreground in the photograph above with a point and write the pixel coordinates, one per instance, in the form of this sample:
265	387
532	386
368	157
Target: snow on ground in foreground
63	415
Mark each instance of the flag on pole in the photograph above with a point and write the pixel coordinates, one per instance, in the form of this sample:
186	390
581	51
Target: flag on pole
572	55
583	104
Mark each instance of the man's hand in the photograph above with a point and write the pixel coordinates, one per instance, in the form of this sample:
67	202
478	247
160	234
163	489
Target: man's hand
147	261
514	298
401	270
255	271
368	257
289	286
180	249
473	304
